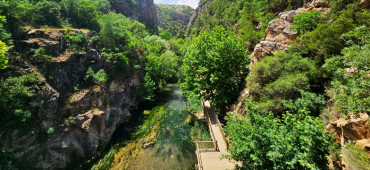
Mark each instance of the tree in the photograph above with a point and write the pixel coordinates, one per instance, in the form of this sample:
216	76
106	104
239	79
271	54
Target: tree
46	13
296	141
4	38
3	58
214	67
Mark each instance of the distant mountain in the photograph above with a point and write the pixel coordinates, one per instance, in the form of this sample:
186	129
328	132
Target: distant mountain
174	17
143	11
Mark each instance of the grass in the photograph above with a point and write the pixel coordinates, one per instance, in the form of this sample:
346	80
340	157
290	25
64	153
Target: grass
356	156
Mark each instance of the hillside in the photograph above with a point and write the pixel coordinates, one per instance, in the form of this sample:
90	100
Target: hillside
174	17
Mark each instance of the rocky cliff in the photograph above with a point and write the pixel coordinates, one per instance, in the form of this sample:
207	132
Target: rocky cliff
278	36
174	17
143	11
74	120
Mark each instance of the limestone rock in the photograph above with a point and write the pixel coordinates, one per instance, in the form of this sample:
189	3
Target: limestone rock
318	4
354	129
365	3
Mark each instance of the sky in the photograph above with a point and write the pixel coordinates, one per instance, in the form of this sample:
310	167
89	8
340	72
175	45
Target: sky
192	3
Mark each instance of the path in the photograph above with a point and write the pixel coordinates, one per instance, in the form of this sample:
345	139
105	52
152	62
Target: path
211	160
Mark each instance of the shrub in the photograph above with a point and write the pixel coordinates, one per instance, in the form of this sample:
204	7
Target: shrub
40	54
351	86
99	78
306	22
3	57
15	94
296	141
50	130
280	78
356	156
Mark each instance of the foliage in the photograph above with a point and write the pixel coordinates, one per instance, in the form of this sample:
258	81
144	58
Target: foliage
172	25
356	156
105	163
50	130
4	36
75	41
40	54
46	13
159	69
296	141
3	58
229	13
305	22
280	78
351	86
9	162
214	67
14	96
311	102
166	34
98	78
113	30
325	39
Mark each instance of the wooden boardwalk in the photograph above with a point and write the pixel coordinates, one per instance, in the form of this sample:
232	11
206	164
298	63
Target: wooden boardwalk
212	160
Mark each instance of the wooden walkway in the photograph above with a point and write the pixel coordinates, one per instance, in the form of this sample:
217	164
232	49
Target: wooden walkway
211	160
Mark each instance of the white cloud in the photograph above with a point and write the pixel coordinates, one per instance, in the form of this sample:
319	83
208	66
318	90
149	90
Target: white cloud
192	3
157	1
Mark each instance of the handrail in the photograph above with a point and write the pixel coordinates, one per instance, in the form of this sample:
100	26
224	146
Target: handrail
210	127
223	133
199	158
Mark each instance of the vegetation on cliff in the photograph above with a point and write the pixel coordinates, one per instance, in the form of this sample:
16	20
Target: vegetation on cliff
279	127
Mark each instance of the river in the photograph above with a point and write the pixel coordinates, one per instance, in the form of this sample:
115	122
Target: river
164	123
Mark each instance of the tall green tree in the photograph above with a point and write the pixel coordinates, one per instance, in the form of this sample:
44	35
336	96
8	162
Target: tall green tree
214	67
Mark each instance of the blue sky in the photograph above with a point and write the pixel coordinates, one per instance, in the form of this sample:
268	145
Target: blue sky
192	3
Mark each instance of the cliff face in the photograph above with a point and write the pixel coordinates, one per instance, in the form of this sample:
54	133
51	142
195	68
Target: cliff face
174	17
197	14
143	11
74	120
278	36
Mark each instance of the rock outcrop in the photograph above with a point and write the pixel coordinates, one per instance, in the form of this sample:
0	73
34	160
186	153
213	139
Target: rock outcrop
365	3
278	36
82	116
143	11
279	32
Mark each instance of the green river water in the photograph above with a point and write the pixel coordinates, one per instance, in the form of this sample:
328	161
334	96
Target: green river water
165	122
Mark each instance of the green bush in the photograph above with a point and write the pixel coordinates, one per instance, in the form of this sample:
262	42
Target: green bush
296	141
3	57
280	78
325	39
15	94
356	156
306	22
40	54
351	85
50	130
310	102
98	78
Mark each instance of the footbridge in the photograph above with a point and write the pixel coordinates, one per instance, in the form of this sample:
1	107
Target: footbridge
209	152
